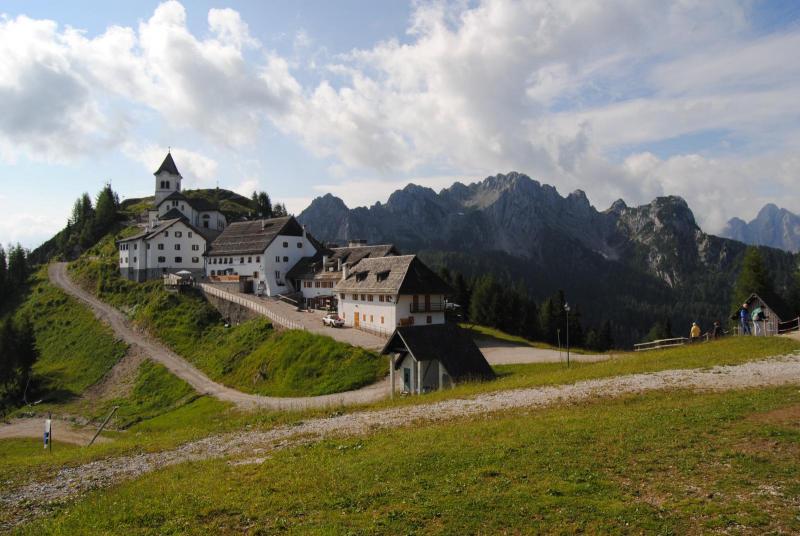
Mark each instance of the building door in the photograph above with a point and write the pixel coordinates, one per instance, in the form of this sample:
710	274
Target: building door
427	302
407	380
356	320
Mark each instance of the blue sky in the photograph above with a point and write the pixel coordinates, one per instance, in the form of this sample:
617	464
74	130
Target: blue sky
620	99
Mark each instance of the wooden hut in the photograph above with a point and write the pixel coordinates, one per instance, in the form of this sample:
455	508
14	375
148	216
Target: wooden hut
775	309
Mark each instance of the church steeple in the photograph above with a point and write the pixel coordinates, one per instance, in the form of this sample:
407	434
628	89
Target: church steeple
168	178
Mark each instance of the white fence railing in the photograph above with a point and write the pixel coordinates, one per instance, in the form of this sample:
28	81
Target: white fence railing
789	326
662	343
252	305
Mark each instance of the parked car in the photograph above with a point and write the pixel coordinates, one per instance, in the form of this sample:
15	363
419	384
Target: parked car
332	320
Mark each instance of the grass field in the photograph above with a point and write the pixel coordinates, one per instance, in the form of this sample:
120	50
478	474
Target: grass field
251	357
75	350
486	332
665	463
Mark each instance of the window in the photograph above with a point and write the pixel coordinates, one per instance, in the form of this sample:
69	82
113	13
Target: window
258	259
381	298
135	247
277	258
189	234
355	297
363	298
213	272
389	299
183	207
166	233
148	245
370	319
195	247
177	247
369	297
381	276
341	296
364	317
174	203
241	260
249	259
381	320
134	259
286	259
178	234
162	259
255	275
277	275
429	319
178	259
286	244
299	245
195	260
167	183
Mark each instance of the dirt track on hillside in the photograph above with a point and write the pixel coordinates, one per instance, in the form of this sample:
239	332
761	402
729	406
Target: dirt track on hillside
73	481
63	432
181	368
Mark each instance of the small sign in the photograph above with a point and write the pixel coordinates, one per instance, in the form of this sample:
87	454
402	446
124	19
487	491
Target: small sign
47	424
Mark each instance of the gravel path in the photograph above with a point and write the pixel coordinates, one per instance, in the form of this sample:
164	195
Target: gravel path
505	353
74	481
159	353
63	432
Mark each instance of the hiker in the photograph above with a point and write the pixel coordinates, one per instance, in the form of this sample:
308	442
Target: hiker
758	319
716	331
743	319
694	333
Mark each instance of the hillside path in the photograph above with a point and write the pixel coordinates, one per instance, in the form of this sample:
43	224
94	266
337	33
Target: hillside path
251	446
192	375
507	353
63	432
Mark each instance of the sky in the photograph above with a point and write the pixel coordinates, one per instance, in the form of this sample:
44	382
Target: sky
622	99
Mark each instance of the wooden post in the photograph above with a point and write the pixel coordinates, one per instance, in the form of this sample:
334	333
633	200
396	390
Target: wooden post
419	377
391	375
113	410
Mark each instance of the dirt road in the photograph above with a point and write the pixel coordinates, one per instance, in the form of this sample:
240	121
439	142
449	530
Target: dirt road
72	481
190	374
62	431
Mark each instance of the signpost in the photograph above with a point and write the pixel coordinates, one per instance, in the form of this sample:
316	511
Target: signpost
48	435
566	309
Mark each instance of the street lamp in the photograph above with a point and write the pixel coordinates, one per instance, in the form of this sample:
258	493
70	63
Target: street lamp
566	310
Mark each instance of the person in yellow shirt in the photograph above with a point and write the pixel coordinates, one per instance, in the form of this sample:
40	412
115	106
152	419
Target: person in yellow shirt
694	333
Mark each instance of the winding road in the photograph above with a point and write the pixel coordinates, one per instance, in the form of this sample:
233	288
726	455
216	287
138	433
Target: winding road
191	374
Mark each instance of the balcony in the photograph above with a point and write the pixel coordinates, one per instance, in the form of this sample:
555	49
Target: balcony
432	307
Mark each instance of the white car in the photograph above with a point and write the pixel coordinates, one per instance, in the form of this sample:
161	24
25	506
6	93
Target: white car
332	320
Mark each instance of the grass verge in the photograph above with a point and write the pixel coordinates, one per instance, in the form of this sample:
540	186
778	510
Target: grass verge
666	463
485	332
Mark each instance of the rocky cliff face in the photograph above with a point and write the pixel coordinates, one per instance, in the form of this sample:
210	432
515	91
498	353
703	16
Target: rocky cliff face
773	226
632	265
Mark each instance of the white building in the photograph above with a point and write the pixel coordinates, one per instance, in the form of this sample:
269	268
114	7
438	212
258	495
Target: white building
177	232
434	357
315	277
380	294
170	201
170	247
264	250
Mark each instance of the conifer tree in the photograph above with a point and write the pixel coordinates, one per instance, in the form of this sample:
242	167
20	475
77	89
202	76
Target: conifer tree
3	272
753	278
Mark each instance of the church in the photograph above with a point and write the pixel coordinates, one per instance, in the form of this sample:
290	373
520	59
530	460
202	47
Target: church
178	231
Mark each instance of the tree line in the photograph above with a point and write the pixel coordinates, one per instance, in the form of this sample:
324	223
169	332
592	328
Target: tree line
509	308
264	208
13	271
18	353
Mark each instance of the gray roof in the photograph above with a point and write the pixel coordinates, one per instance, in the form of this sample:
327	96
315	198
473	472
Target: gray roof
403	274
168	165
311	267
253	236
448	343
162	226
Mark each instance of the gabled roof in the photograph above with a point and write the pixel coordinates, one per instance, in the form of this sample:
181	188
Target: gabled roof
311	267
354	254
448	343
253	236
402	274
172	214
774	302
168	165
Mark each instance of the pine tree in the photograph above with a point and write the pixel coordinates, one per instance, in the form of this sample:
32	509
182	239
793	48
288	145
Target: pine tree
279	210
463	294
105	214
262	204
3	272
548	321
17	273
753	278
481	302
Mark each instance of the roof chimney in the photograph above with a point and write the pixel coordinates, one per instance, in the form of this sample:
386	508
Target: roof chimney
324	263
304	230
344	271
339	264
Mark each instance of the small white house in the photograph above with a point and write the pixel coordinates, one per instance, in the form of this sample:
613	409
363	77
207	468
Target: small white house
379	294
264	250
434	357
173	245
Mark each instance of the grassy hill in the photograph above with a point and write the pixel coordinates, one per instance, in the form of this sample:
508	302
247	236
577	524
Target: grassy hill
251	357
233	205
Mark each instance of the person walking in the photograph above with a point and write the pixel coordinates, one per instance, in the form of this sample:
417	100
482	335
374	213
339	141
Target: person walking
694	333
744	319
716	331
758	317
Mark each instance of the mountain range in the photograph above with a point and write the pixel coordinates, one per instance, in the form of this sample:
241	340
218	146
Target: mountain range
631	265
773	226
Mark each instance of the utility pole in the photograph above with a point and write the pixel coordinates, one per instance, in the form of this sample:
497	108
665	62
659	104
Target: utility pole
566	310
